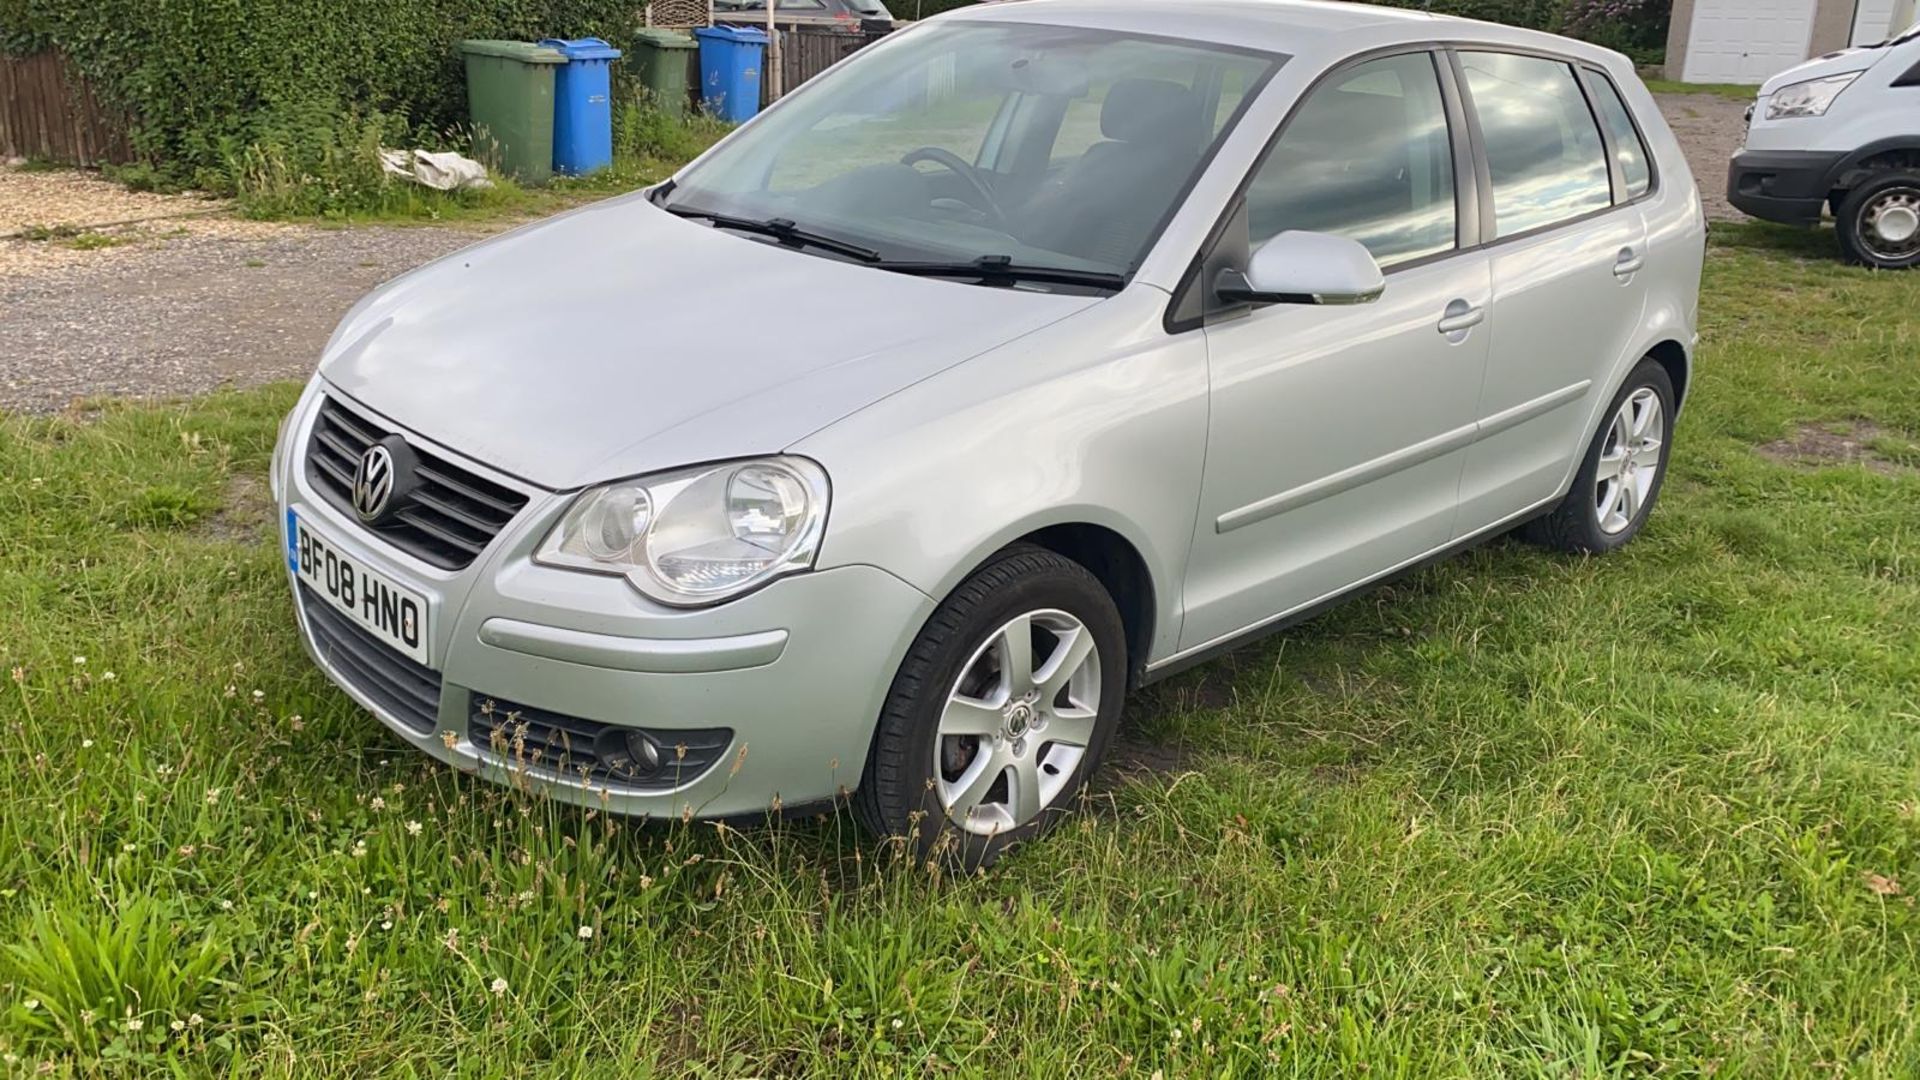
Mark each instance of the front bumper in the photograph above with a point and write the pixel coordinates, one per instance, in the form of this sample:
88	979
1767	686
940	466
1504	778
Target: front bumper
797	671
1787	186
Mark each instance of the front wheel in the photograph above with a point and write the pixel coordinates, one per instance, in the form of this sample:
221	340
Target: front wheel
1621	475
1001	710
1879	221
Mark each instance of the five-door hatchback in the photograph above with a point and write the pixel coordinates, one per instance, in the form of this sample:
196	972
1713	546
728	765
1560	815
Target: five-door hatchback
1037	352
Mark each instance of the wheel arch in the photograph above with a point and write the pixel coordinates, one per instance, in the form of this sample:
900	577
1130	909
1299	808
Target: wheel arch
1112	552
1899	152
1122	571
1672	355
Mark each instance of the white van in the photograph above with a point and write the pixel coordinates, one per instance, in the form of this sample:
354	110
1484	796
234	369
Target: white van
1841	133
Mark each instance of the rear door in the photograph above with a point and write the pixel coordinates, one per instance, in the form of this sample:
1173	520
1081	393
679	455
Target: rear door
1568	291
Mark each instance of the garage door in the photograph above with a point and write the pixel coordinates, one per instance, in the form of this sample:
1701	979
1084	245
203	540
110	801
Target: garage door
1747	41
1873	22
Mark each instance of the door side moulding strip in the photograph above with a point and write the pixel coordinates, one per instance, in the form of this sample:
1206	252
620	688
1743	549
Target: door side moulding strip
1347	479
1404	458
1200	654
1533	410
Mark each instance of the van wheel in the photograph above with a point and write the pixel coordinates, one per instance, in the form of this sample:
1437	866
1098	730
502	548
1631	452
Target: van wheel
1000	712
1879	221
1621	476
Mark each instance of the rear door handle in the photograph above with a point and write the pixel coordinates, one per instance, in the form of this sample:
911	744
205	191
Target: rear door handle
1461	317
1629	263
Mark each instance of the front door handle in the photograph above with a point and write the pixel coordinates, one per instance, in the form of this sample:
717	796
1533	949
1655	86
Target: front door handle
1629	263
1461	317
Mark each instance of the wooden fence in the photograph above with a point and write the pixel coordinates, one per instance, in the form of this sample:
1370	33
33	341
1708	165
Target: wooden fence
48	111
806	51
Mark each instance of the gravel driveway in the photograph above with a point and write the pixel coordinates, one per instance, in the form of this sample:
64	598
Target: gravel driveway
196	300
1710	129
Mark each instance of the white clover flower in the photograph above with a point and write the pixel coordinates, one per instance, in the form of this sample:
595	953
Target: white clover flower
86	744
259	694
378	803
413	828
499	986
178	1025
135	1024
108	676
195	1020
226	905
586	933
80	661
213	795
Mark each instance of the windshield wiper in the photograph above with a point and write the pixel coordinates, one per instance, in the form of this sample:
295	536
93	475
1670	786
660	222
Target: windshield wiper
1001	269
781	229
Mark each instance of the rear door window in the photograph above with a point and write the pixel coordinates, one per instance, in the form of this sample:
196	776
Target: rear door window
1543	145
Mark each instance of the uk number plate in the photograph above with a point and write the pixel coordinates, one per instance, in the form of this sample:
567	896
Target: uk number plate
390	612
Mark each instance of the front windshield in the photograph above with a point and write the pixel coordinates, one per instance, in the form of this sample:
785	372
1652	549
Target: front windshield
953	142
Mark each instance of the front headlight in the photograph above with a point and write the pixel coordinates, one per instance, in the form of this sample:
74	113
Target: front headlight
697	536
1810	98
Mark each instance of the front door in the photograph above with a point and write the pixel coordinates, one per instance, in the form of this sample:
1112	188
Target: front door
1338	434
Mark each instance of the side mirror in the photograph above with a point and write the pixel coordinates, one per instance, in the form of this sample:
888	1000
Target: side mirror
1305	268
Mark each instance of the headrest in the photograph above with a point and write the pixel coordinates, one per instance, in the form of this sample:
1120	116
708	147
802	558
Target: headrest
1143	109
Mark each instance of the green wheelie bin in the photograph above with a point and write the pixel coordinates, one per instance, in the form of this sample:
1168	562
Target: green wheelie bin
510	100
660	61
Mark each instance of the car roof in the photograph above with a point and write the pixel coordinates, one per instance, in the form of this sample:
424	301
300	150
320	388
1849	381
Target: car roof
1309	29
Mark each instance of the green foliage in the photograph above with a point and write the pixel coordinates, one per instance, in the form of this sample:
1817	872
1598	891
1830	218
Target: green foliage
204	81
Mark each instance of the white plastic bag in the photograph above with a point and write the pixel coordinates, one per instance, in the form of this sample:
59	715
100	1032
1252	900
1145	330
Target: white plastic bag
446	171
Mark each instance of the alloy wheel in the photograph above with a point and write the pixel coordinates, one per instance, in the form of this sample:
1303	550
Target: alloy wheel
1017	722
1630	461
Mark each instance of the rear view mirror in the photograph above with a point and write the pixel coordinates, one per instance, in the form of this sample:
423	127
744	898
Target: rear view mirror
1306	268
1055	74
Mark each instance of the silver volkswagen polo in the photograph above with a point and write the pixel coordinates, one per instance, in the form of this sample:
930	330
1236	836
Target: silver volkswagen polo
1038	352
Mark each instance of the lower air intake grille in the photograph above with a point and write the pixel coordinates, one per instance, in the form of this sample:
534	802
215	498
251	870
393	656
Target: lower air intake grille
640	759
410	692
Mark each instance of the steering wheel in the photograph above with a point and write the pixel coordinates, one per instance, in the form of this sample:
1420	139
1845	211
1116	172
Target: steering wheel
983	196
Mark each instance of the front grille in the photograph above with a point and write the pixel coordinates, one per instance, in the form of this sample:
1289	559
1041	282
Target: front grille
576	749
408	690
448	517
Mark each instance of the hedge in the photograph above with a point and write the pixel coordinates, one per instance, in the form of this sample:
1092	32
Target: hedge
202	79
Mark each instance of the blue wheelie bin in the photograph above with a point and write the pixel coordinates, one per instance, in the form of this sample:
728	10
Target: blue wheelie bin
730	58
583	109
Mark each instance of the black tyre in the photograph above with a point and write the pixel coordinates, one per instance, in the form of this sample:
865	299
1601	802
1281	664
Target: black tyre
1003	707
1879	221
1621	476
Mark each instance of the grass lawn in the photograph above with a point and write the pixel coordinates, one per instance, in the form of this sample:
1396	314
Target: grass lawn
1521	815
1731	91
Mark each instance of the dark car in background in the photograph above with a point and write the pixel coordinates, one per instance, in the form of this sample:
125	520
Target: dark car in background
848	13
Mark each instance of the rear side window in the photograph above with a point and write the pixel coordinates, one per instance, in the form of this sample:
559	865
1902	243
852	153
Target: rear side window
1367	157
1628	149
1543	145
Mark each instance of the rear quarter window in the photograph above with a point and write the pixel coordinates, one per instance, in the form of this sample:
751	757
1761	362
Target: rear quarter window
1629	149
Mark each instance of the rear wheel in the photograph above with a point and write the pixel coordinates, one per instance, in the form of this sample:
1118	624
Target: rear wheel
1001	711
1621	476
1879	221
